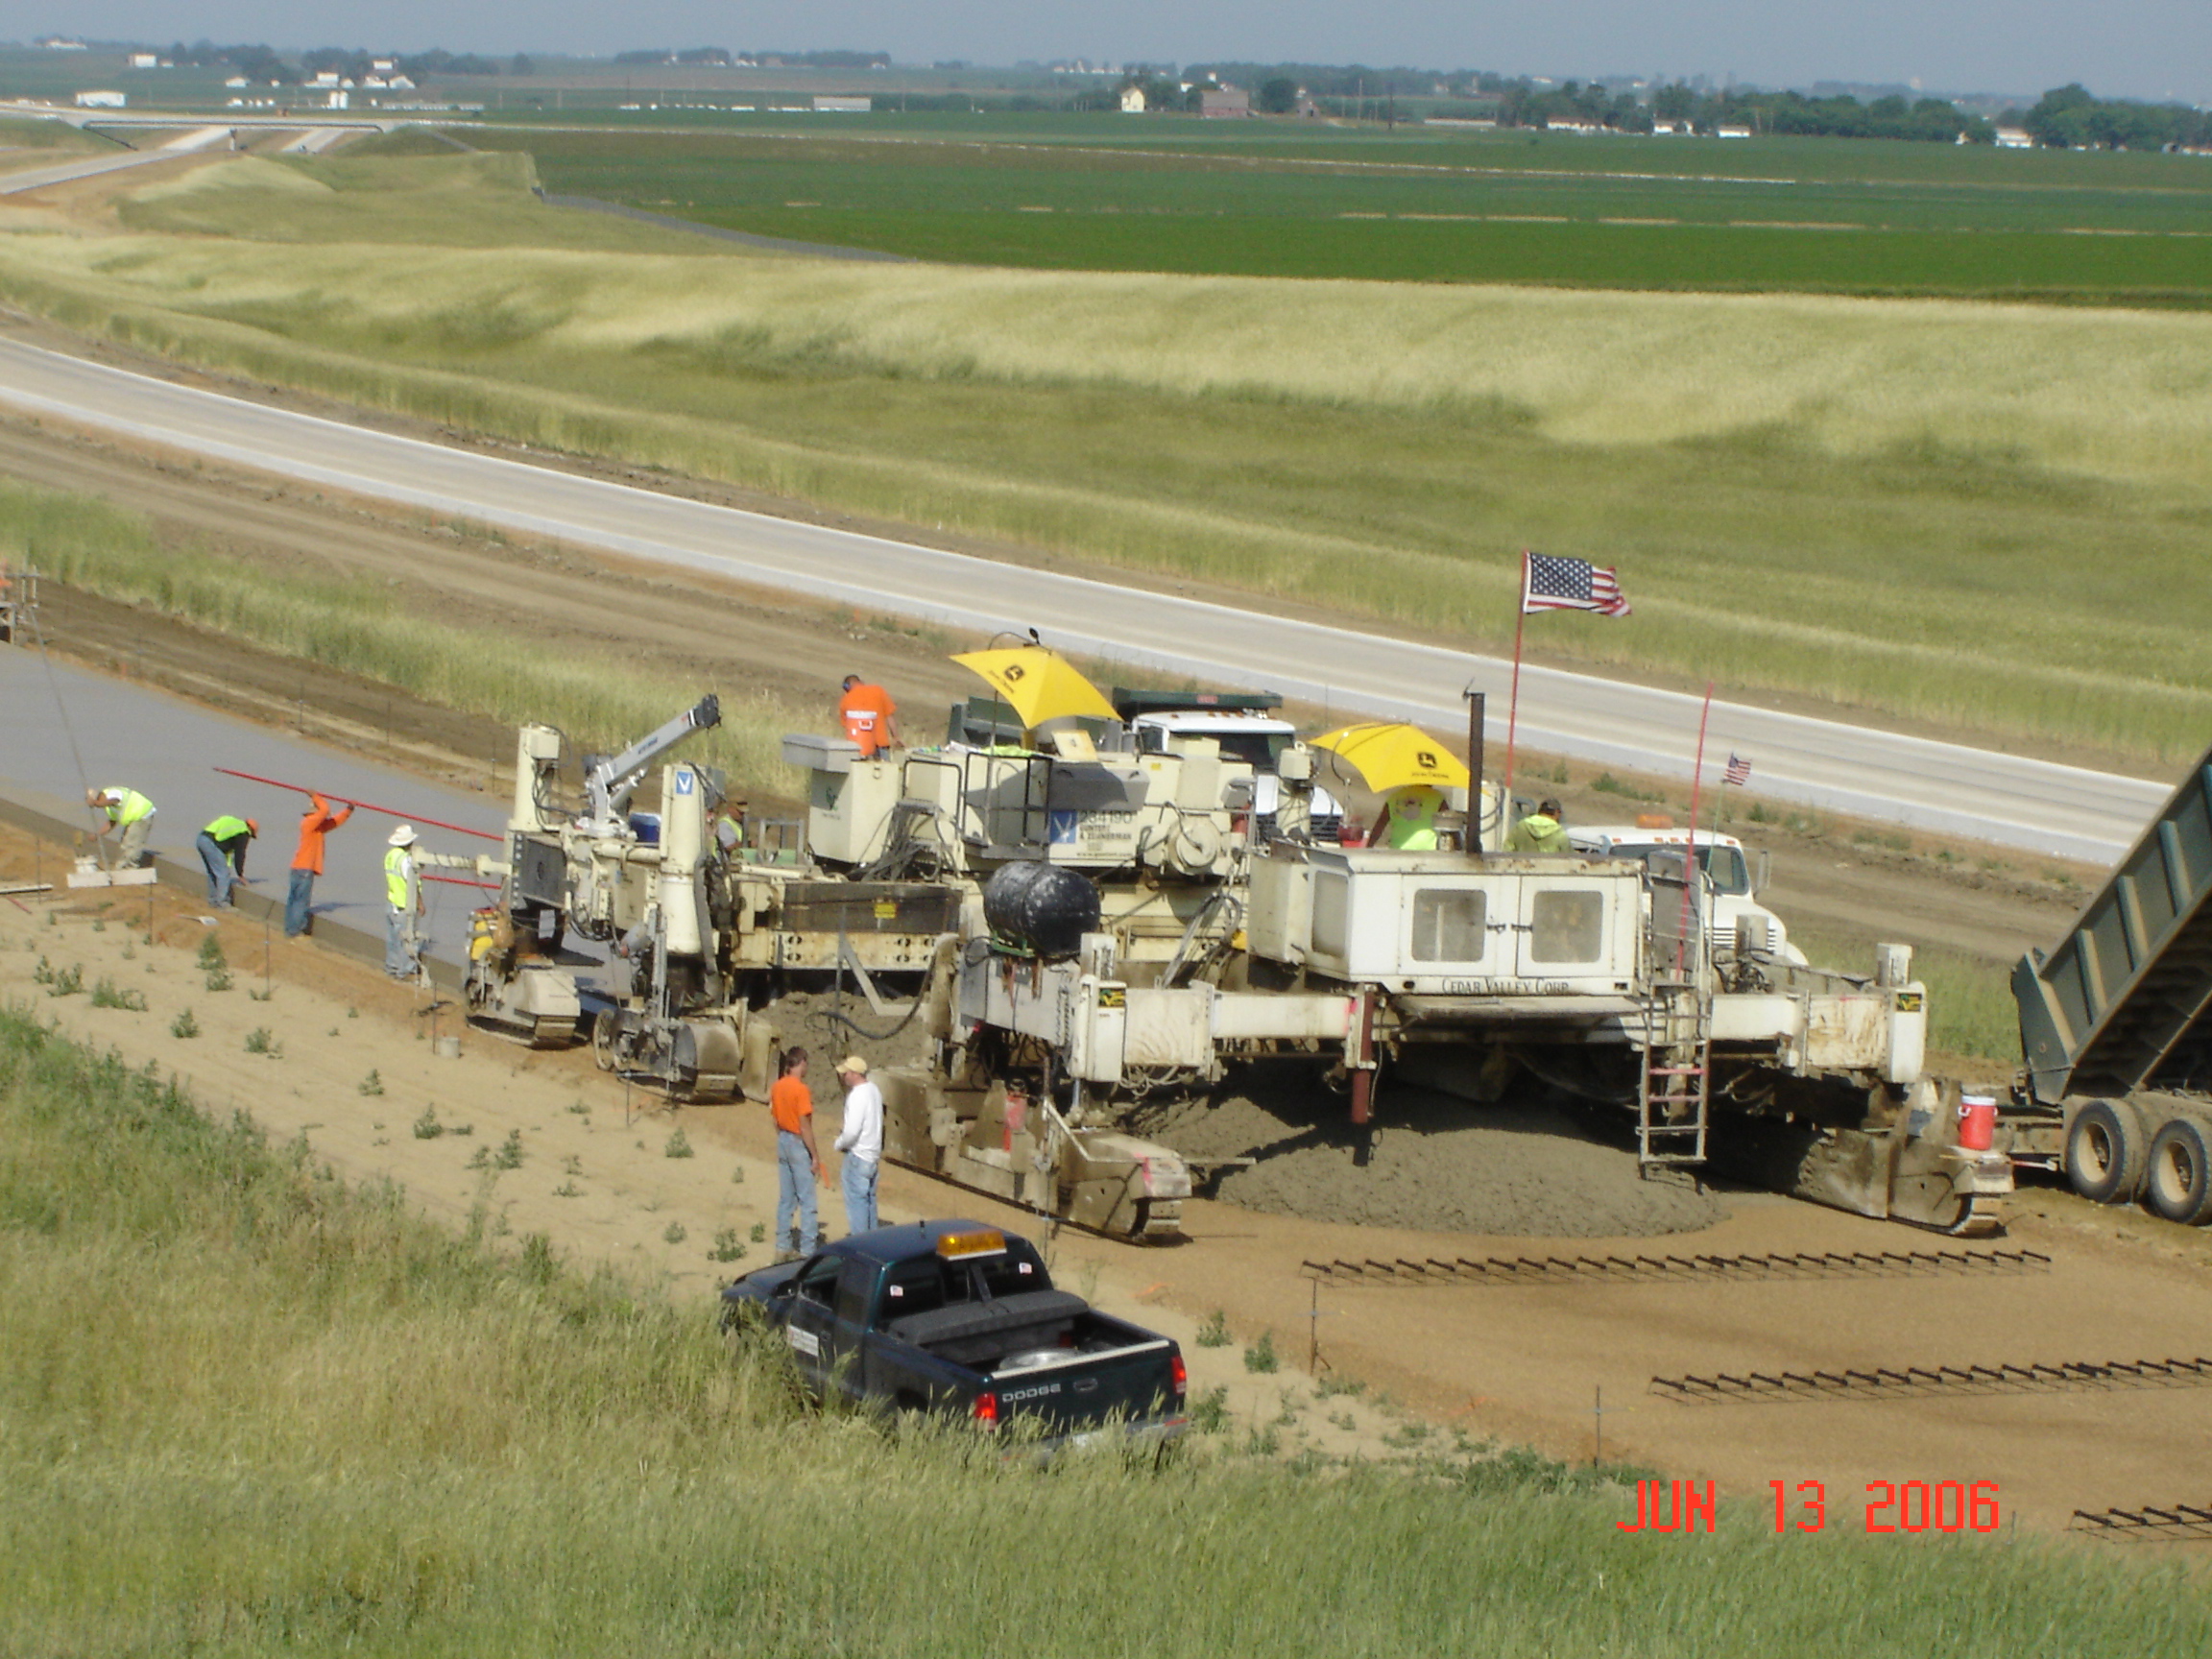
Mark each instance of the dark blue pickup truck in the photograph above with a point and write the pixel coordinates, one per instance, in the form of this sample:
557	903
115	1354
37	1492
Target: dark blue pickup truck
959	1317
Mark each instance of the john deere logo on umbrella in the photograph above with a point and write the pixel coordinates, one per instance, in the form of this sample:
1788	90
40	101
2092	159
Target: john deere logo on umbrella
1013	671
1428	760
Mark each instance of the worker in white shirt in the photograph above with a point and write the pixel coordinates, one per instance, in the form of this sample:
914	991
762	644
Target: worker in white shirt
861	1142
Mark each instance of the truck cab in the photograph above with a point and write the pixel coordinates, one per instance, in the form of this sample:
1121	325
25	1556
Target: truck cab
1735	877
1248	730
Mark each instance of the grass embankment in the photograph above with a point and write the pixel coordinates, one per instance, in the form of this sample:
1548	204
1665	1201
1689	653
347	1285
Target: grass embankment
249	1408
1985	518
353	626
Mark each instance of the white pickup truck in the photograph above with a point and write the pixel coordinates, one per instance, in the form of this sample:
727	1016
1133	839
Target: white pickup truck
1247	729
1736	879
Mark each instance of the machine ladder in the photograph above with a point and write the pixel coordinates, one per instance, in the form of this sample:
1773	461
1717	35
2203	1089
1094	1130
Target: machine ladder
1675	1088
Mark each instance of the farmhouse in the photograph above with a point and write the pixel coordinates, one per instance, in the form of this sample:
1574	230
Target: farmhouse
2015	138
1225	104
1132	99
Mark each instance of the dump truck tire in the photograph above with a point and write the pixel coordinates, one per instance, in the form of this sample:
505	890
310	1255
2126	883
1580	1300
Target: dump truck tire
2106	1150
2177	1181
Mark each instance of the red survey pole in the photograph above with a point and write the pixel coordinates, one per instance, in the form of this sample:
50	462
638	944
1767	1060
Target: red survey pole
1690	875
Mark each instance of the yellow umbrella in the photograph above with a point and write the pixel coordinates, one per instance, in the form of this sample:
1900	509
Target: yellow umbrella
1039	685
1389	755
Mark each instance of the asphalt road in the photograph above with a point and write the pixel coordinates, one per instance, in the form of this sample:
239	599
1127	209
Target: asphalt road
2008	799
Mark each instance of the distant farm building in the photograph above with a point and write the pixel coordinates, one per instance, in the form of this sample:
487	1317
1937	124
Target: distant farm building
101	100
1731	131
1570	124
1669	129
145	60
1224	104
2015	138
1132	99
825	104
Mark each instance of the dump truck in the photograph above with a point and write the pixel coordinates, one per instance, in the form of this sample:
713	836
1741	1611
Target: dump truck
960	1319
2115	1085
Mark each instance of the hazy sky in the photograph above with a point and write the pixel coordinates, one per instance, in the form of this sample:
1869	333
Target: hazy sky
2126	48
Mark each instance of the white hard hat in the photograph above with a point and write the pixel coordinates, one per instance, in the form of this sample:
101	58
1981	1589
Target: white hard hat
403	836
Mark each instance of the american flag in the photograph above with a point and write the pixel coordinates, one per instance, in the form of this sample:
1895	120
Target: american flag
1739	771
1548	584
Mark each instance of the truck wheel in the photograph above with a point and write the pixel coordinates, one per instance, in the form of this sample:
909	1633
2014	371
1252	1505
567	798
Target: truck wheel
2104	1152
2178	1184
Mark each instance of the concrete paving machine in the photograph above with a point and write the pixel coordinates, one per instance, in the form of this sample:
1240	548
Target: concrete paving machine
701	935
1129	938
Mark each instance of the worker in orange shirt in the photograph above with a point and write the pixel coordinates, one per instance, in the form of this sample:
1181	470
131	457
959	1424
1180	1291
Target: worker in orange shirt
871	718
316	822
798	1160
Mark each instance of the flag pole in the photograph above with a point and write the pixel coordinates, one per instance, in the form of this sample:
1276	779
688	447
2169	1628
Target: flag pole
1690	874
1513	706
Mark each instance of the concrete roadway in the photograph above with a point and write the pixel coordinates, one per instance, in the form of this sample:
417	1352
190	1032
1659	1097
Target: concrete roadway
91	166
168	749
1913	781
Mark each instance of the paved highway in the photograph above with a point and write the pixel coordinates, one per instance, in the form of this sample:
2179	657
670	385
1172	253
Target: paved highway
1913	781
91	166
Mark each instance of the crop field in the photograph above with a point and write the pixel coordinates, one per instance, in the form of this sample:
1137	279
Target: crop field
308	1418
1985	518
1763	215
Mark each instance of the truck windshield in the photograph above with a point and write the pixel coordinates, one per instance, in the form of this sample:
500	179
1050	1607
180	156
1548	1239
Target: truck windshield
1723	866
1258	750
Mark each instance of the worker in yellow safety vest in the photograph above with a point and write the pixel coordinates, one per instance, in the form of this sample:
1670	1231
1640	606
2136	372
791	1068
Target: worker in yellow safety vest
1409	819
129	811
1541	831
222	850
402	906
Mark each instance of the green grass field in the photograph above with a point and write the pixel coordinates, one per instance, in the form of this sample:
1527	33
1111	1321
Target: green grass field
249	1409
1985	518
1083	193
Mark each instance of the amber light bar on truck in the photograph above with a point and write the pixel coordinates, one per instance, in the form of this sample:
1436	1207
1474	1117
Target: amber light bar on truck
982	1241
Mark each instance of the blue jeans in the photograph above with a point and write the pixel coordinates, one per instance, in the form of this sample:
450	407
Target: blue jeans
399	959
297	898
795	1186
858	1179
220	879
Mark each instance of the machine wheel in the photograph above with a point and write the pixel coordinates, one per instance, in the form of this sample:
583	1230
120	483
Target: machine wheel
2178	1182
2104	1152
603	1044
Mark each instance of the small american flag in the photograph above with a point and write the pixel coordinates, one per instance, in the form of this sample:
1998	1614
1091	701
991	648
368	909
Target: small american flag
1548	584
1739	771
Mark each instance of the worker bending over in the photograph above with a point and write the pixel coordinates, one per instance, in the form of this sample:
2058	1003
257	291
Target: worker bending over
861	1141
222	850
129	811
871	718
1541	831
402	906
316	822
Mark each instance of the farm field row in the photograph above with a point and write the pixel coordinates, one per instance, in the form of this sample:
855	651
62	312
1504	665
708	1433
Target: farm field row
1588	213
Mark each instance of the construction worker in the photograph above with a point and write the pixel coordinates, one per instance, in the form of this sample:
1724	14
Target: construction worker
1541	831
316	822
798	1161
222	849
730	825
402	906
871	718
1408	821
129	811
861	1142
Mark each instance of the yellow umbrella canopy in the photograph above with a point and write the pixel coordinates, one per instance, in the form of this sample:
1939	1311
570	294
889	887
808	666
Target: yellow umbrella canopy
1389	755
1037	684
